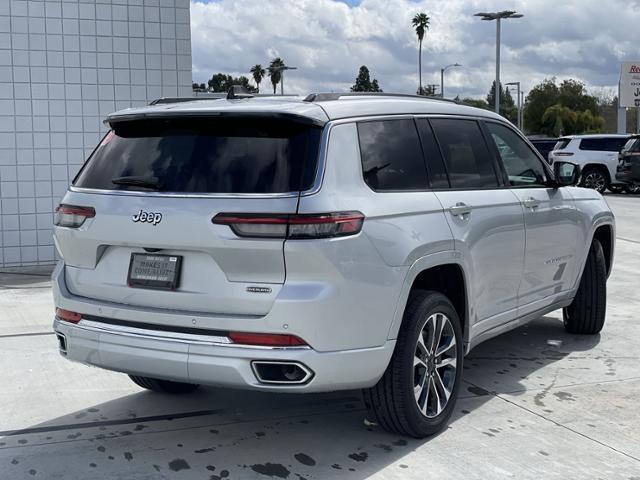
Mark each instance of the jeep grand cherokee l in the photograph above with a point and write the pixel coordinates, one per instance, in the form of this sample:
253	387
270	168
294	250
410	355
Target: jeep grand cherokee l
327	243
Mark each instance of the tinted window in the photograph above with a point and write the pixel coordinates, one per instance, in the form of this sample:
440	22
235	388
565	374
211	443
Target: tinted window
602	144
522	165
391	155
435	165
202	155
562	144
466	156
633	145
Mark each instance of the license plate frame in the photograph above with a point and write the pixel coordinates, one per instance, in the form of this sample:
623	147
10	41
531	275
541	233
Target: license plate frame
162	278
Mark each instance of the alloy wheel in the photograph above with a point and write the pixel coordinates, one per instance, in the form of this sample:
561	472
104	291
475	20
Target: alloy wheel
595	180
434	365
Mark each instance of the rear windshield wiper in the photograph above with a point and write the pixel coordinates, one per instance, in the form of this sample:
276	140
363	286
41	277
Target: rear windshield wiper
152	183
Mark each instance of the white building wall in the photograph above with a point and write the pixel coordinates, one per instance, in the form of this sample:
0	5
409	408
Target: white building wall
64	65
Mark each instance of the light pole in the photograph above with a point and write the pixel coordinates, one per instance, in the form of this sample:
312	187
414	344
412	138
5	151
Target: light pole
497	16
517	84
522	110
442	70
281	70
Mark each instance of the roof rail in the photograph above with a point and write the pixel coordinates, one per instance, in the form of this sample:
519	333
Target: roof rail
207	96
325	97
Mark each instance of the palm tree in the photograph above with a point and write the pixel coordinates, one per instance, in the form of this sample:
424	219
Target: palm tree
420	22
258	74
275	72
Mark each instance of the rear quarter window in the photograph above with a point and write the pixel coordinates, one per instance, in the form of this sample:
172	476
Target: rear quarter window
391	155
206	155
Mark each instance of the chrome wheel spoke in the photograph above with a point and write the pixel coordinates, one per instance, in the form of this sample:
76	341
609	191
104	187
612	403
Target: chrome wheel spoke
438	325
440	386
436	397
421	345
419	389
451	343
446	362
418	362
425	407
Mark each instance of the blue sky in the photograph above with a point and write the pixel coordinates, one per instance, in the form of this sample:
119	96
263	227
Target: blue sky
328	40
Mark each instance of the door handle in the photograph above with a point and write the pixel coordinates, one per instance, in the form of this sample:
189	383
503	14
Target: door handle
531	202
460	209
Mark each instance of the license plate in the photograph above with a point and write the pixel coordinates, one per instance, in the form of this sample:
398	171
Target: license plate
154	271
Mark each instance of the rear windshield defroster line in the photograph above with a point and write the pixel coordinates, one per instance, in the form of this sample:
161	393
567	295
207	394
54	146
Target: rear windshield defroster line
220	155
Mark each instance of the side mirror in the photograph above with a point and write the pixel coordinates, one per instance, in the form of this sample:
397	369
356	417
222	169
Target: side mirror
566	173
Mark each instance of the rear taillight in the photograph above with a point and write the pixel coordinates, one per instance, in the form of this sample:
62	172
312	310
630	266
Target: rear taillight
563	154
295	226
68	316
72	216
266	339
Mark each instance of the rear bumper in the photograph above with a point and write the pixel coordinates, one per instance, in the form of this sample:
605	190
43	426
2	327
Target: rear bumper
196	359
205	359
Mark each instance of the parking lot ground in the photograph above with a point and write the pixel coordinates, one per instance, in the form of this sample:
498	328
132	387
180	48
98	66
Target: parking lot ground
535	403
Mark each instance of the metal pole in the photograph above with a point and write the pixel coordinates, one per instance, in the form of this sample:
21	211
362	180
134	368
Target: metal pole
497	95
442	82
522	111
637	119
518	116
282	82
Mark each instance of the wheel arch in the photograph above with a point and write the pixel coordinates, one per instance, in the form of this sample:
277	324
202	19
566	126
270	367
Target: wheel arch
597	166
605	235
444	274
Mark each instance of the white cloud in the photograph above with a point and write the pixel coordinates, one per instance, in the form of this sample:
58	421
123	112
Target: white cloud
328	40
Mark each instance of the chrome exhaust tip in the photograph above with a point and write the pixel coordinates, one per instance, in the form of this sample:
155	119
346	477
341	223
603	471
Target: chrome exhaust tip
281	372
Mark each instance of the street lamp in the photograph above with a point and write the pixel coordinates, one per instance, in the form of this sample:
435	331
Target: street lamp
442	70
498	16
518	93
281	70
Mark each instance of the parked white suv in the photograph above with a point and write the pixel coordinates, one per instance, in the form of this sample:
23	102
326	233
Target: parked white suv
597	155
327	243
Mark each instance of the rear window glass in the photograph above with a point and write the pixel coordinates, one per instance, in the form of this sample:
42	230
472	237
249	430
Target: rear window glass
392	155
562	144
205	155
602	144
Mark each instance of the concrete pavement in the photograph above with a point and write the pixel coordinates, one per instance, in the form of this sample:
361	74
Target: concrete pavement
536	403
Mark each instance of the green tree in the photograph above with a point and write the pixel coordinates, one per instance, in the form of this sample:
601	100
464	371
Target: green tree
275	72
221	82
420	23
476	102
258	74
428	91
508	108
364	82
551	108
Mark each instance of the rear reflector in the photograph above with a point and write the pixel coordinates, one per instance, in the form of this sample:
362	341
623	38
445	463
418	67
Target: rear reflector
72	216
68	316
294	226
266	339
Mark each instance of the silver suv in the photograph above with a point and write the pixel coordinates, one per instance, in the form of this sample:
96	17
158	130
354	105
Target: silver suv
326	243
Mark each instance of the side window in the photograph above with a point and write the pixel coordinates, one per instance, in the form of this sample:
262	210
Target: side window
435	165
523	167
593	144
466	156
391	155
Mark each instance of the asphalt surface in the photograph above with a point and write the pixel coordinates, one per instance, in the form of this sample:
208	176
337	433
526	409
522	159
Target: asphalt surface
536	403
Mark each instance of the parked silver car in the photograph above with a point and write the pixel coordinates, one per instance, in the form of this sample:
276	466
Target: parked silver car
318	244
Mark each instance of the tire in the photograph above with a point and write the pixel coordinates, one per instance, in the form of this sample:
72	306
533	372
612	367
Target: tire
595	179
616	188
163	386
632	188
587	312
391	403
